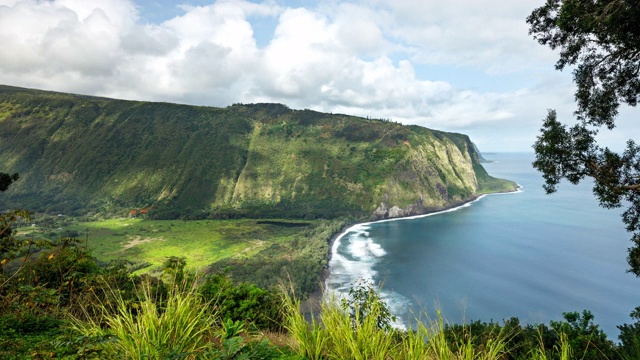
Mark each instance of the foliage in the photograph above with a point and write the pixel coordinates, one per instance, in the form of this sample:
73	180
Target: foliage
576	335
115	314
35	298
124	315
83	155
40	284
336	336
363	301
300	259
233	345
586	339
601	40
255	252
630	337
147	244
36	345
309	338
239	303
236	348
177	327
10	247
174	268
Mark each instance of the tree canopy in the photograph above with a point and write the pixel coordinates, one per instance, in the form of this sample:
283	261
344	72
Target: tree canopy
600	41
7	242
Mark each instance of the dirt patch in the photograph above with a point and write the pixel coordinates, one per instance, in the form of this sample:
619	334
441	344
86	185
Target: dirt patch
137	240
254	244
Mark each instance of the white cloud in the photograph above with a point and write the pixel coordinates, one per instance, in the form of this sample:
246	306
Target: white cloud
363	57
46	42
485	34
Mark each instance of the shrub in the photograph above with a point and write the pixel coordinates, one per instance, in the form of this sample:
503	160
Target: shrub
181	326
630	337
364	301
243	302
586	339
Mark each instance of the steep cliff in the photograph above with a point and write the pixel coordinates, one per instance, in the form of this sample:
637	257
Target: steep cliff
79	154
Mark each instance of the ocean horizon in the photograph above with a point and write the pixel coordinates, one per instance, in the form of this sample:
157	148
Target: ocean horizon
524	254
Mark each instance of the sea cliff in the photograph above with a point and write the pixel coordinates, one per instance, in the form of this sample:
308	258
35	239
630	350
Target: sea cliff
80	154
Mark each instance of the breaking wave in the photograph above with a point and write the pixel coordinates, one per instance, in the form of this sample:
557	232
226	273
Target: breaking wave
354	256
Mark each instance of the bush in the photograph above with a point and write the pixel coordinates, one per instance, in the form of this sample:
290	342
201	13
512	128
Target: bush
243	302
28	323
585	338
179	326
630	337
364	301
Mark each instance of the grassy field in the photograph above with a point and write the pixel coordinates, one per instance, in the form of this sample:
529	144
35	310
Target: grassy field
201	242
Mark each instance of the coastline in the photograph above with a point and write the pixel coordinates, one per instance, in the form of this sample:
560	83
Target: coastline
311	305
335	240
453	207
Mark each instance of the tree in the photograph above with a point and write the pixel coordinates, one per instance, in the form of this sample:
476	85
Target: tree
174	267
600	40
6	220
364	301
10	246
630	337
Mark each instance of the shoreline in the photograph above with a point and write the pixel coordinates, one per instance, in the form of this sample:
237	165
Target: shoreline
311	305
450	208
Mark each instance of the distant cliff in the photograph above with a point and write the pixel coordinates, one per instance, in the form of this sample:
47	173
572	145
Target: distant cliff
78	154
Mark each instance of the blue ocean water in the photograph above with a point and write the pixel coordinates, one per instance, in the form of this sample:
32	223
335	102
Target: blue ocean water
525	254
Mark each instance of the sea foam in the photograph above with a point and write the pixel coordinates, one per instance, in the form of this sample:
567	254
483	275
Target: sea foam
353	258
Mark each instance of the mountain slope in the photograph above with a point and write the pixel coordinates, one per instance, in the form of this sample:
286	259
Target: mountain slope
79	154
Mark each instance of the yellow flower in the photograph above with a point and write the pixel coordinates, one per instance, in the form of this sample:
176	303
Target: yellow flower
51	256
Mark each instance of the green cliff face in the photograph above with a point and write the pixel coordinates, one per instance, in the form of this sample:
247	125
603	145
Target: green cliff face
79	154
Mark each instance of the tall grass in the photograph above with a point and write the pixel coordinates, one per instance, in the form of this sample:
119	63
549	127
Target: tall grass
561	352
429	340
309	337
179	326
182	325
335	335
359	338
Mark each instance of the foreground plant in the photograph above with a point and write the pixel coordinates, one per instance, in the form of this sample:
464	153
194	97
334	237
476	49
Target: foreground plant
363	331
179	326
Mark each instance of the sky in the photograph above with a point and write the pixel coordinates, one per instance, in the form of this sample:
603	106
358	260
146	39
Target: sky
466	66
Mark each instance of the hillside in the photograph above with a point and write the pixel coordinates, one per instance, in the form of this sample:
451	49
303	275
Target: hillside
79	154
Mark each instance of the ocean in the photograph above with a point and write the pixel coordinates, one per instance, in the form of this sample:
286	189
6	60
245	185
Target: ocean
525	254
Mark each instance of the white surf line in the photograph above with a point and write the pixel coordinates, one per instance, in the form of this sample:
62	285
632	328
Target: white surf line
362	227
336	242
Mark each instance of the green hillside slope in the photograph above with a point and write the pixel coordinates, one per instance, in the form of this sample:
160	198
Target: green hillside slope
79	154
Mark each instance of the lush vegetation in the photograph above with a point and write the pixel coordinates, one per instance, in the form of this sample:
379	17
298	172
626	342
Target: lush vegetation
105	312
63	303
261	252
58	301
600	41
80	155
84	156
